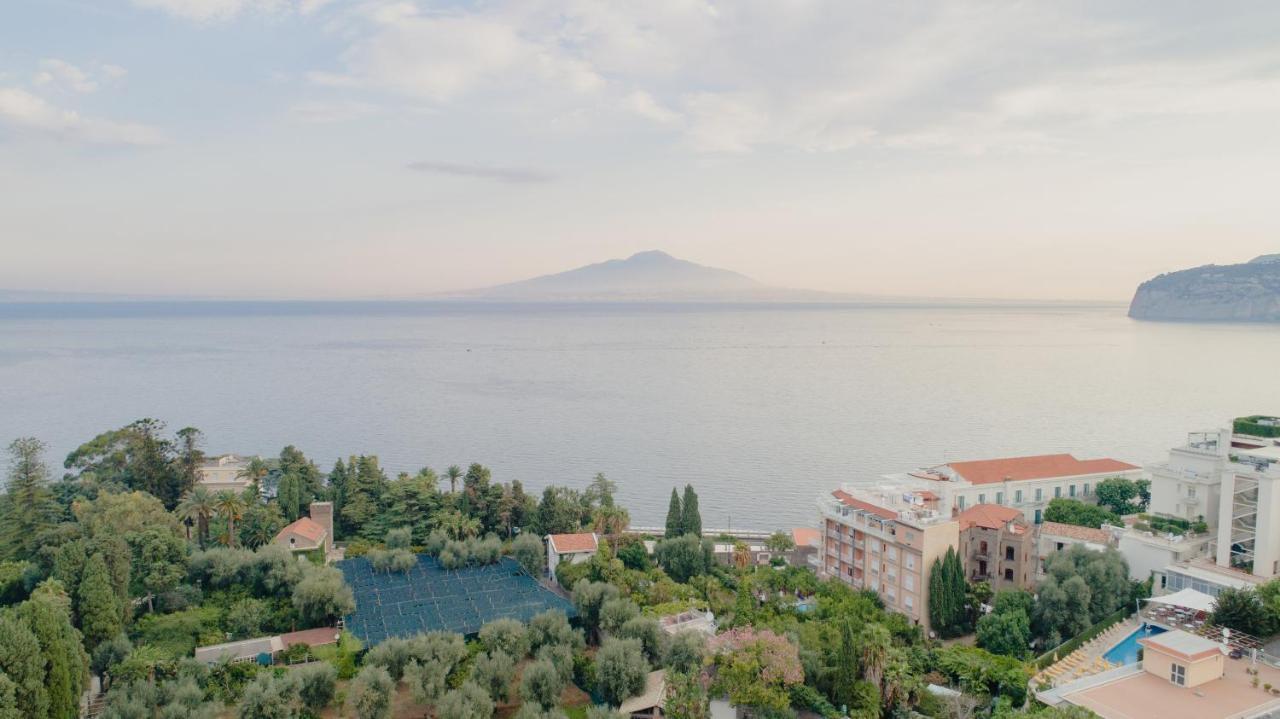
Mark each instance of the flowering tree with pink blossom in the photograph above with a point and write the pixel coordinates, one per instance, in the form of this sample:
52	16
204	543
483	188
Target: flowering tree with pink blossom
756	668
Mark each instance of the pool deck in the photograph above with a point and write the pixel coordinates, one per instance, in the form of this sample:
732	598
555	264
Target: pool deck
1088	659
1140	695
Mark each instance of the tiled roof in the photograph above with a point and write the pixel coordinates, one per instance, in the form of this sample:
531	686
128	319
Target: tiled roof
1084	534
805	536
567	543
850	501
1045	466
987	516
306	527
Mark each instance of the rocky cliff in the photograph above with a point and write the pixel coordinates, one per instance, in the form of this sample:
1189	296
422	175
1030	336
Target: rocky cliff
1249	292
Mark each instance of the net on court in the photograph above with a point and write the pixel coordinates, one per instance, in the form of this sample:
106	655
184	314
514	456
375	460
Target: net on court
429	597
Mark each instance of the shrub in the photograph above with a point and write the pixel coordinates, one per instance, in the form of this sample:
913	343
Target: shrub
529	553
492	672
506	635
370	695
317	683
541	684
466	702
620	669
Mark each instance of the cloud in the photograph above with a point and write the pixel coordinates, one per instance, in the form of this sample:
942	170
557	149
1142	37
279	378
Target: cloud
643	104
114	72
219	10
326	112
24	111
62	74
511	175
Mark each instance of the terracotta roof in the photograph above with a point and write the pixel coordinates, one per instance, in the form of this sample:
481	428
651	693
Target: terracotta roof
1084	534
926	495
849	501
1045	466
305	527
987	516
805	536
567	543
311	637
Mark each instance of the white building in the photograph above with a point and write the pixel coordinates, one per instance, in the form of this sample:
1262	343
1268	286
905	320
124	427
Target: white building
1249	510
572	548
1024	483
1188	484
224	472
1149	553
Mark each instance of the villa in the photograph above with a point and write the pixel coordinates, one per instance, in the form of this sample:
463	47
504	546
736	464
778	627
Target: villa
224	473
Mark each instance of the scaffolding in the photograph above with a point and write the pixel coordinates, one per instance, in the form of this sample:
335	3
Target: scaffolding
1244	520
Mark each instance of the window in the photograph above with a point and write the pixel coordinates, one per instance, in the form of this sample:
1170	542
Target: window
909	535
1071	491
909	582
1178	674
1008	553
1191	492
960	502
911	561
1057	491
1086	489
1039	494
982	547
1008	575
982	498
1017	497
1039	516
999	497
908	602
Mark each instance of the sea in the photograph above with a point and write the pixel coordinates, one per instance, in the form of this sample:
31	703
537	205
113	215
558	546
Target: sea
762	408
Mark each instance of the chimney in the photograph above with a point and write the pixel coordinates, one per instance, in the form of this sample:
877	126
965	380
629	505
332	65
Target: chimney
322	514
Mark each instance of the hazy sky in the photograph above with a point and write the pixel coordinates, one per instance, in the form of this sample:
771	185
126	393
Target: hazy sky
355	148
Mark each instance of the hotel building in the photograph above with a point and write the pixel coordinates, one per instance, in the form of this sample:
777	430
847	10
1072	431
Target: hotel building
885	538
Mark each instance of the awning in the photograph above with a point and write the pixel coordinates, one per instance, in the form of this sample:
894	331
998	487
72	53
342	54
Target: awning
1189	598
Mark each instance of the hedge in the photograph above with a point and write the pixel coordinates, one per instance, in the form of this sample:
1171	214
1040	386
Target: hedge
1074	643
1251	426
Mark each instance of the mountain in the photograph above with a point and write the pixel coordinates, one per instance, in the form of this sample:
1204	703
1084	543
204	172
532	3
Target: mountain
651	275
1248	292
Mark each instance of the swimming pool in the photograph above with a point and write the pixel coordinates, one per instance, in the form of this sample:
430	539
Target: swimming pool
1126	652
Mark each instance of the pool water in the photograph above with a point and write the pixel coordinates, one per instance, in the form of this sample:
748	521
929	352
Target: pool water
1126	652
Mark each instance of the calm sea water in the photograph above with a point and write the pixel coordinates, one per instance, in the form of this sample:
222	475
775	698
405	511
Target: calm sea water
760	408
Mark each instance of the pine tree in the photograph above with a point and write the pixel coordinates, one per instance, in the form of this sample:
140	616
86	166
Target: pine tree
99	605
288	496
675	519
29	508
691	519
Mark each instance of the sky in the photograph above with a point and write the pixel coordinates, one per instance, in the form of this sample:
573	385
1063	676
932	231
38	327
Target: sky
380	148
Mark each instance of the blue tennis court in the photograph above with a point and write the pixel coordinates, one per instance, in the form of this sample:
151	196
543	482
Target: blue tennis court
429	597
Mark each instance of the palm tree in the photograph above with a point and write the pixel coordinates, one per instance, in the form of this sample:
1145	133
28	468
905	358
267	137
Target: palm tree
741	554
256	471
197	506
610	520
456	524
454	473
874	645
230	506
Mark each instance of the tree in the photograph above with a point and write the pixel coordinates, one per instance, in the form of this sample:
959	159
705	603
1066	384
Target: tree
685	697
189	457
560	511
684	557
322	595
1243	610
675	516
947	590
616	612
1117	493
270	697
453	473
507	636
633	555
198	507
600	492
1071	511
29	508
541	684
370	694
757	668
874	645
686	651
552	628
428	680
316	685
229	506
260	524
529	553
160	560
22	661
690	517
466	702
589	599
99	606
780	542
610	520
135	457
1005	632
48	615
492	672
650	635
255	471
1144	493
621	669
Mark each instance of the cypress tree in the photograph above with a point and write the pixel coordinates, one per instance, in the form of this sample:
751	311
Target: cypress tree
937	597
30	508
675	519
21	661
99	606
66	664
691	522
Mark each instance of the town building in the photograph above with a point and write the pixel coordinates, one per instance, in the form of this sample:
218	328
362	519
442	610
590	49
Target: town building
263	650
224	473
1054	537
310	534
997	546
885	538
1027	484
572	548
1149	553
693	620
1204	576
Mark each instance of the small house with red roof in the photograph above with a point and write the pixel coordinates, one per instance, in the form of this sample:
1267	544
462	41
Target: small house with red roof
310	534
572	548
